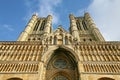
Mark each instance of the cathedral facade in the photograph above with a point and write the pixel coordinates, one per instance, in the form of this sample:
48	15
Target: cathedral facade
43	54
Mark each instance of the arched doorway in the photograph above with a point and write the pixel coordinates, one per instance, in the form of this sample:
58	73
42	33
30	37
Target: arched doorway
105	78
14	78
62	66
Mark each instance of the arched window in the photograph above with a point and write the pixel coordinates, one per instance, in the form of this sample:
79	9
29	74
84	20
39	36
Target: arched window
105	78
36	26
42	25
78	25
84	25
14	79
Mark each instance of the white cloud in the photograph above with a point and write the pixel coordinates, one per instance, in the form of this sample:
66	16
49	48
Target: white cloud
106	14
44	8
8	27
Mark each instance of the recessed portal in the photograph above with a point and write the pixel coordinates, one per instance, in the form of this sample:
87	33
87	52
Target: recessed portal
62	66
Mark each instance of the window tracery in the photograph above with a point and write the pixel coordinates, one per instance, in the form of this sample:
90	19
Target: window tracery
60	63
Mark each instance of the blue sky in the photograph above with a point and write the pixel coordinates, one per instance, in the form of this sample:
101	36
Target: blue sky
14	15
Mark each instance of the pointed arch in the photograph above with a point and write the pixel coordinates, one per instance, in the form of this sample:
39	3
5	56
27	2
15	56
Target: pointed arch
78	25
36	26
62	74
48	54
42	25
84	25
61	59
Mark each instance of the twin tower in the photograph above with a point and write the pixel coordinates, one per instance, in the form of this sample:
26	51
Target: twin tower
81	29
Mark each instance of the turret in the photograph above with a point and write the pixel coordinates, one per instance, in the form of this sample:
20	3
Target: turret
28	28
93	28
73	27
48	24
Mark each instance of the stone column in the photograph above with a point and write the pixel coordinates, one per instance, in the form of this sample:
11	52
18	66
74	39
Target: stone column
28	29
73	27
93	28
48	24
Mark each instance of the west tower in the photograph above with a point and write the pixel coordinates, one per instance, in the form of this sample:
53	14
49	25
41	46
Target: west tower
84	28
37	28
41	53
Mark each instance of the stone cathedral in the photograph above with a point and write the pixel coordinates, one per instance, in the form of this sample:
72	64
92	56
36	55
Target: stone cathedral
43	54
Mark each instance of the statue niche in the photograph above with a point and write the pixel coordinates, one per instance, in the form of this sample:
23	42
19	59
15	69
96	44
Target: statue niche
58	39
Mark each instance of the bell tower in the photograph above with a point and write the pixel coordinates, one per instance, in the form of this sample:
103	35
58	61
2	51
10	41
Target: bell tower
36	28
84	29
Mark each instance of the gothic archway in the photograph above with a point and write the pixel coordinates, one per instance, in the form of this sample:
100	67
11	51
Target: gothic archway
105	78
62	63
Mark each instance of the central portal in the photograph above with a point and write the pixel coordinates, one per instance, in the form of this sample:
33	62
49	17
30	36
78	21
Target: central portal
62	66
